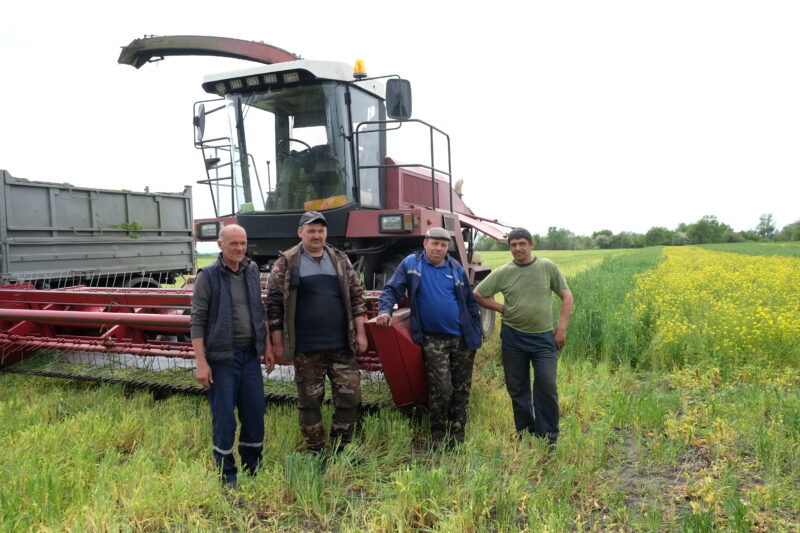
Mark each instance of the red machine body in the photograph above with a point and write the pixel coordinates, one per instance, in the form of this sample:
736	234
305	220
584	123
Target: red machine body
155	323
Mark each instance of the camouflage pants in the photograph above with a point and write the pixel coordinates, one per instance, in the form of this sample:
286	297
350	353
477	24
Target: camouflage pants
310	369
448	364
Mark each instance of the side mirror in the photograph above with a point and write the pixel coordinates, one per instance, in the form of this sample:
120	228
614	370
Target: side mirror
200	122
398	99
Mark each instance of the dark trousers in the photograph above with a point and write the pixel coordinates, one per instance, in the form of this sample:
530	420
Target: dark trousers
310	369
539	417
448	365
237	386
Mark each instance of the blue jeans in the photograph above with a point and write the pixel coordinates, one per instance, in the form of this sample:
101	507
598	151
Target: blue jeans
539	417
237	386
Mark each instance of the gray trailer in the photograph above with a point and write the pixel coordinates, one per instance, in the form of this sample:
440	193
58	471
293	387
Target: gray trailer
55	235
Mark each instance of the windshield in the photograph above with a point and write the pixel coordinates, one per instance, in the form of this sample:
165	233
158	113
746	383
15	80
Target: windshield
296	151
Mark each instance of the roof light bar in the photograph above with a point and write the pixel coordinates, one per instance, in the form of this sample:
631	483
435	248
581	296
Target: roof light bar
256	82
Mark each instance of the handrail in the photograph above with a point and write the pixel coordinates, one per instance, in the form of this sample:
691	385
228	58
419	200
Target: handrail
431	167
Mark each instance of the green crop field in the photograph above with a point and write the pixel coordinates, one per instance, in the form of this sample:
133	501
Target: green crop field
680	402
205	259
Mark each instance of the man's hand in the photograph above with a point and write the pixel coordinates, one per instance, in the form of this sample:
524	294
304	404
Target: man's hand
203	374
489	303
560	336
361	342
384	320
567	304
277	344
269	360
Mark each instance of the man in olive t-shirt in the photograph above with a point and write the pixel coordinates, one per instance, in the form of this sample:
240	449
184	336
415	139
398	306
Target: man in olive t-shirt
527	333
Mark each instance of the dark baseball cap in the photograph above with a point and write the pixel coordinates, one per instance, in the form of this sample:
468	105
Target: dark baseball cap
313	217
437	233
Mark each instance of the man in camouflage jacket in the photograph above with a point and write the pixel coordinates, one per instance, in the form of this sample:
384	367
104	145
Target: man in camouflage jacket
315	310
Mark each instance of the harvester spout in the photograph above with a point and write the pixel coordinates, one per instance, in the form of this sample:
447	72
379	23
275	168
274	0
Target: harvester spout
141	51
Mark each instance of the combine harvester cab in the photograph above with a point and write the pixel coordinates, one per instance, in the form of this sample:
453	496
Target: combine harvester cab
287	136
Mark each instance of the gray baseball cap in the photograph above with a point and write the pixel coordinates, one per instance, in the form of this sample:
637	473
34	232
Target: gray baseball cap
437	233
313	217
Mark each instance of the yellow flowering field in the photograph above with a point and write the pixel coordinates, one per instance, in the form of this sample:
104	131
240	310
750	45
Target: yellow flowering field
733	307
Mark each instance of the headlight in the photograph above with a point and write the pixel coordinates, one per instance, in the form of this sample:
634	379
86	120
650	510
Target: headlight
208	230
397	223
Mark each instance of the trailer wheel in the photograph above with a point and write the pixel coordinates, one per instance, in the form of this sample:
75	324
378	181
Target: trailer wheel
144	282
487	322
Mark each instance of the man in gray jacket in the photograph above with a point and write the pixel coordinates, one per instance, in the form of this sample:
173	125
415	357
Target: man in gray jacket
229	337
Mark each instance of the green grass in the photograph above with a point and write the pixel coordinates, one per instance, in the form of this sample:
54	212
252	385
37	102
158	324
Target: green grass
689	449
569	262
603	327
791	249
205	259
201	260
635	453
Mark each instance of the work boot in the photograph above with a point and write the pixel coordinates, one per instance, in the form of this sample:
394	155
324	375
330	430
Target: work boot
438	438
230	483
552	440
322	455
453	443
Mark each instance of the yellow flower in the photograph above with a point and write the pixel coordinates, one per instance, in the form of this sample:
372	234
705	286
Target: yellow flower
742	307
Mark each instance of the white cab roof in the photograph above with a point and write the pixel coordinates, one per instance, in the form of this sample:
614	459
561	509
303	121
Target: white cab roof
326	70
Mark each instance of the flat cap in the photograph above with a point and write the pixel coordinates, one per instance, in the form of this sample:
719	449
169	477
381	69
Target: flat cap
437	233
313	217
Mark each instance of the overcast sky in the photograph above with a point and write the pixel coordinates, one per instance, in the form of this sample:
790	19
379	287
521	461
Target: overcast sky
584	115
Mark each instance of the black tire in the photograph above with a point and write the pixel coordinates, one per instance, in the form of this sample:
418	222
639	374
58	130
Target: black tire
384	272
144	282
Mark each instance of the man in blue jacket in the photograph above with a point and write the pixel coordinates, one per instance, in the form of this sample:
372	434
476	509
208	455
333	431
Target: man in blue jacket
445	321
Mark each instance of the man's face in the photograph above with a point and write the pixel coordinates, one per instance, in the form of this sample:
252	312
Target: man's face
233	245
313	236
435	250
521	250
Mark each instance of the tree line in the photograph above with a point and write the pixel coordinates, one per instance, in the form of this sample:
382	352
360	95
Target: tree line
705	231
